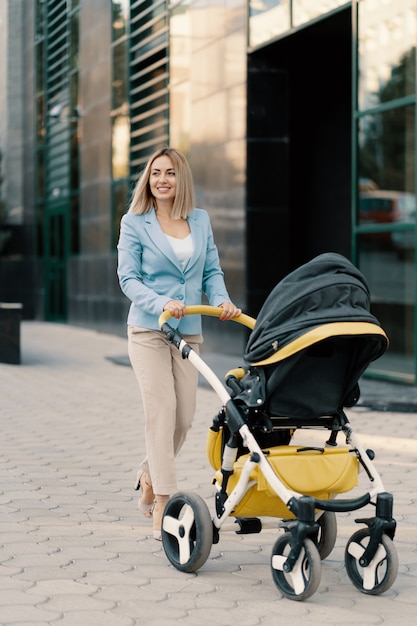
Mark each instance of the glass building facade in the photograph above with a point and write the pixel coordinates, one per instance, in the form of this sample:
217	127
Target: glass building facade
297	117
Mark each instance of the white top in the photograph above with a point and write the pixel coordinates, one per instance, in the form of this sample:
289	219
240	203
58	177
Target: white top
183	249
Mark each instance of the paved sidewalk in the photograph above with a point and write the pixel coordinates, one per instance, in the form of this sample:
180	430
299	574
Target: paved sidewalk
75	550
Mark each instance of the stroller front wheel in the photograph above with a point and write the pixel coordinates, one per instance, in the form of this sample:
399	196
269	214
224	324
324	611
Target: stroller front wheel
381	572
304	579
187	531
327	533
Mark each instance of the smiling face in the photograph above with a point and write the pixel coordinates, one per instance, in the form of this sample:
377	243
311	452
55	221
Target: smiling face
162	181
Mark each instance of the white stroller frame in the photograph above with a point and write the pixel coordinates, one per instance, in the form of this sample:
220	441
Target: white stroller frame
188	531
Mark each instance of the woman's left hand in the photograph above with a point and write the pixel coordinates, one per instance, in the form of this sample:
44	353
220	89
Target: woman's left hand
229	311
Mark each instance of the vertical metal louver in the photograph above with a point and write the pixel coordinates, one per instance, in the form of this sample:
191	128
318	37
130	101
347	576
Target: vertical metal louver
57	98
58	161
149	77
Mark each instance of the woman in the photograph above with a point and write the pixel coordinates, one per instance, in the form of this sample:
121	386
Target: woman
167	260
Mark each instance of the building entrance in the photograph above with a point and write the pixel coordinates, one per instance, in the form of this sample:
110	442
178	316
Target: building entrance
299	151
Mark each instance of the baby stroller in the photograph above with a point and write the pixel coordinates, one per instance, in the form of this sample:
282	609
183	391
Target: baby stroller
312	341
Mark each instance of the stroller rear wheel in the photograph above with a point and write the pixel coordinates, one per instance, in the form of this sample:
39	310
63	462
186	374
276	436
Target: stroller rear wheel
327	533
381	572
187	531
304	579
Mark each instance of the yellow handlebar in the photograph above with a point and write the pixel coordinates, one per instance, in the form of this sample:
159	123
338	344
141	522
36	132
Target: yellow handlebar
213	311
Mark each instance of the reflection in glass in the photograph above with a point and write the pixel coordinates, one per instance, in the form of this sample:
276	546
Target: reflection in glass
306	10
268	19
74	243
74	39
120	205
120	18
387	34
386	169
40	18
120	146
392	280
180	80
120	115
40	67
40	175
386	220
148	78
40	227
40	119
119	82
386	149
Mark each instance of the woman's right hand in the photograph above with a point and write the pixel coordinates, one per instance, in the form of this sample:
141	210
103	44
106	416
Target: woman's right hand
176	308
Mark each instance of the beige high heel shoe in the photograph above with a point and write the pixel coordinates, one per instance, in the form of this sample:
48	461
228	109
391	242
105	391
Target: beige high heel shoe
157	514
142	482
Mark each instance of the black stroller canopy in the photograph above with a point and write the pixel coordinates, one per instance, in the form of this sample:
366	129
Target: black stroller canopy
313	339
329	288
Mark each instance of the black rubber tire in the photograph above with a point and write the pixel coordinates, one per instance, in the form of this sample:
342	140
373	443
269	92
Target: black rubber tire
327	533
187	531
381	573
304	580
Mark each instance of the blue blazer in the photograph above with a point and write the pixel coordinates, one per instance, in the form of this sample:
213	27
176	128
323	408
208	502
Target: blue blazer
150	274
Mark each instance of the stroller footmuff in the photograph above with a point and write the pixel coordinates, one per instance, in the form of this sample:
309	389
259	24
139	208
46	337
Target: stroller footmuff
312	341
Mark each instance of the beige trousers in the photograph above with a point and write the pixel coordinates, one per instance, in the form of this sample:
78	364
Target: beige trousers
168	386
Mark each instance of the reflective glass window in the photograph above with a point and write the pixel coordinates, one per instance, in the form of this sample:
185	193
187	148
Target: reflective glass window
120	18
268	19
386	223
387	34
120	199
75	40
120	89
180	70
390	271
306	10
40	67
120	92
120	146
40	175
40	119
40	19
74	243
386	145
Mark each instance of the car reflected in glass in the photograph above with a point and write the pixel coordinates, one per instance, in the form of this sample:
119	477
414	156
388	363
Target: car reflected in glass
382	206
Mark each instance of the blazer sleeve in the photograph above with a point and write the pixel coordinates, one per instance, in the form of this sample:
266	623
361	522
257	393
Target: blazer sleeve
213	277
129	270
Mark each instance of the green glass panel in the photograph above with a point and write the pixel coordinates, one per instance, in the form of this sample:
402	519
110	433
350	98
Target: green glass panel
389	268
386	151
386	216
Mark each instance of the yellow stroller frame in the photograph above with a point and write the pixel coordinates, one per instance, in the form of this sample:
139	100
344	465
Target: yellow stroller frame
297	484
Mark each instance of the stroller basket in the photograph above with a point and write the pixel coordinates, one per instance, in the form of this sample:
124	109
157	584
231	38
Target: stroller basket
321	473
312	341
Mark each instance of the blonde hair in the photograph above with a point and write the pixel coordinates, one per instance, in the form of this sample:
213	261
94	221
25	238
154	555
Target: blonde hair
143	201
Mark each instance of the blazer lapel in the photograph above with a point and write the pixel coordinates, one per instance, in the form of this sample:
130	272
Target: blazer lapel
197	237
159	239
